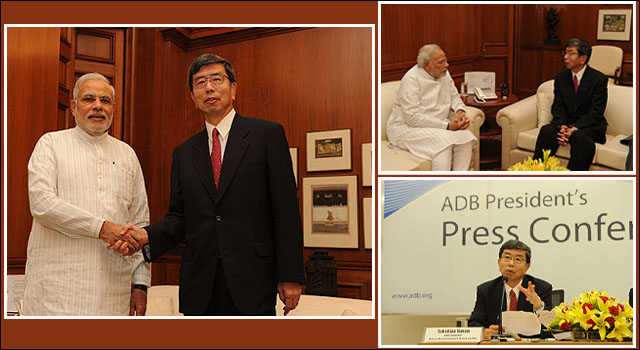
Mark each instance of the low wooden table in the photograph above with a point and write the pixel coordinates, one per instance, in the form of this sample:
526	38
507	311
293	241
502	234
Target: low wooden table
490	131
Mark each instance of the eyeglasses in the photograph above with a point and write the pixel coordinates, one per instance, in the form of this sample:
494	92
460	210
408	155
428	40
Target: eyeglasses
216	80
517	260
570	53
91	99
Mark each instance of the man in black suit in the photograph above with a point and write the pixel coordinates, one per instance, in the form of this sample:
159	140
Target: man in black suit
514	260
233	204
580	98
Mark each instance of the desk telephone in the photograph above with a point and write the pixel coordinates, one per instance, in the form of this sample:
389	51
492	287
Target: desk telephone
483	94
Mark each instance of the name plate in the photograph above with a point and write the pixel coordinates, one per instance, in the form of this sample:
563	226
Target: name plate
452	334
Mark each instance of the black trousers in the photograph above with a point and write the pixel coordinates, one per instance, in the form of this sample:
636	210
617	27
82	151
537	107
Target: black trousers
221	303
582	141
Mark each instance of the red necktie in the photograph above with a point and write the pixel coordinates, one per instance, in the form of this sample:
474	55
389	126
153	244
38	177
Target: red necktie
575	84
513	305
216	164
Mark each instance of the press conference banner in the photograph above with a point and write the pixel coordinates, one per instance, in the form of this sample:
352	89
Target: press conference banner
441	239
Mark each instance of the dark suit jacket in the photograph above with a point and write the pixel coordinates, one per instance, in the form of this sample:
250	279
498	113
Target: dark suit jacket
252	221
584	110
485	313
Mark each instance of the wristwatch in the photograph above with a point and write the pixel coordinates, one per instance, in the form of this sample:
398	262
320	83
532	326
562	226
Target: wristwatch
539	309
140	286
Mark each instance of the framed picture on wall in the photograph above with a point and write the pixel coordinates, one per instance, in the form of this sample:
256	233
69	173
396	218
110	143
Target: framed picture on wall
294	162
614	24
330	211
367	157
366	222
329	150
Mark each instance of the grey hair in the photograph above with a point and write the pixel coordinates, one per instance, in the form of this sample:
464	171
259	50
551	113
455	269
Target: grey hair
425	53
89	76
205	60
515	244
584	49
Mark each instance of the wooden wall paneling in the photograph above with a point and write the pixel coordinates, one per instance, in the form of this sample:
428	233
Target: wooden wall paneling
626	76
494	24
552	63
576	21
406	28
33	63
516	53
65	77
143	104
528	79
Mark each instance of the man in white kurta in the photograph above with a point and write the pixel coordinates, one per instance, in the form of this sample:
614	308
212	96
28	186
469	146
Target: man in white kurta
419	121
79	186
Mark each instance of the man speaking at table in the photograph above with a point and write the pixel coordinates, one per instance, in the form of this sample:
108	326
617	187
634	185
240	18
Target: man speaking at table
514	260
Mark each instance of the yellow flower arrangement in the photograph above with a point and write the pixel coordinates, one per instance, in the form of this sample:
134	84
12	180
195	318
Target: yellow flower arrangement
547	164
595	311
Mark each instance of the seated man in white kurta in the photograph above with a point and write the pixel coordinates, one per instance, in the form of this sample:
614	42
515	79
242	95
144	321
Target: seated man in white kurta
83	185
419	121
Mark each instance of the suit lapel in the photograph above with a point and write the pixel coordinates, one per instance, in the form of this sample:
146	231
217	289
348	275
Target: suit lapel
499	297
234	152
202	162
582	87
523	304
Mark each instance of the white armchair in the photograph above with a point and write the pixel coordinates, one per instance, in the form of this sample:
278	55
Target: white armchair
608	60
521	122
394	159
163	300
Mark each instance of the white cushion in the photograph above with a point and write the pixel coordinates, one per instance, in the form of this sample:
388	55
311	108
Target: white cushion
160	306
316	305
606	59
387	98
396	159
163	300
544	100
619	111
612	154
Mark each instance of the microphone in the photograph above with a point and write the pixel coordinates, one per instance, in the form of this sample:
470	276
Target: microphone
504	289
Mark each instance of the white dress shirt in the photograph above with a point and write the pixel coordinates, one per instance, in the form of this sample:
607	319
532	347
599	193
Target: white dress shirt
76	182
223	132
579	74
420	115
516	290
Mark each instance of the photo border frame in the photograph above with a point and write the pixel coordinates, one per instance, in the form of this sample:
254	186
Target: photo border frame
330	240
331	163
293	151
367	160
622	36
367	214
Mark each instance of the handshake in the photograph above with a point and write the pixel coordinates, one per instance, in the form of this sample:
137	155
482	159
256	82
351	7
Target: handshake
126	239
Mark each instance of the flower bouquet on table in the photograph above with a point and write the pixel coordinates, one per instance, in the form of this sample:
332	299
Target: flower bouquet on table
548	163
594	312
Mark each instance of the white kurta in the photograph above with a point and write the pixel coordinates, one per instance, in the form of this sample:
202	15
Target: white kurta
76	182
418	121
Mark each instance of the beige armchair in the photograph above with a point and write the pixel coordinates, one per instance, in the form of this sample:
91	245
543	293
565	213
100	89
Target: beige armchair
521	122
395	159
163	300
608	60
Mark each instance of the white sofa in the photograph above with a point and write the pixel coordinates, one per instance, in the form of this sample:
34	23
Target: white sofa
395	159
521	122
162	300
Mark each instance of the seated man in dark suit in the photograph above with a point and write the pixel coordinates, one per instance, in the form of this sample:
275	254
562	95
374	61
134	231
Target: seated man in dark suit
514	260
580	98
